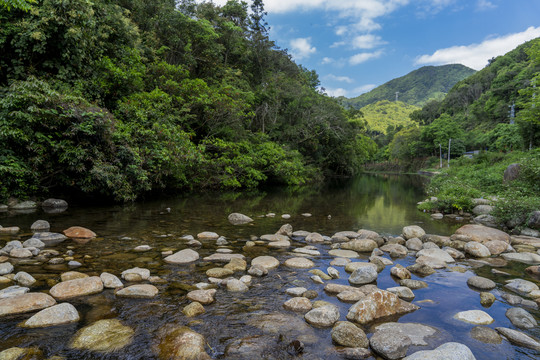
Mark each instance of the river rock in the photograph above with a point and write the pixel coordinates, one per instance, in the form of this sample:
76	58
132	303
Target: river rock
519	338
24	279
110	281
367	234
301	234
193	309
389	344
413	231
6	268
205	297
438	255
14	290
79	232
496	247
486	335
34	242
340	261
78	287
54	204
283	244
487	299
482	234
324	316
350	267
378	304
235	285
40	225
207	235
10	230
402	292
219	272
395	250
103	336
299	263
360	245
24	303
363	275
20	253
511	173
422	269
185	256
334	273
351	296
298	304
307	251
267	262
523	257
400	272
136	274
477	317
285	229
477	249
49	238
60	314
347	334
486	220
182	343
236	265
72	275
482	210
239	219
343	253
521	318
138	291
257	270
413	284
481	283
520	286
414	244
24	205
447	351
225	258
314	238
296	291
17	353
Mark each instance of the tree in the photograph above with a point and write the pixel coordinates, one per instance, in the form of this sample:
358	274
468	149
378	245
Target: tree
23	5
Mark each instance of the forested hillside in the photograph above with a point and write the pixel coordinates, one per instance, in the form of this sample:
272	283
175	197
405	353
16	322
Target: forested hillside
415	88
120	98
385	114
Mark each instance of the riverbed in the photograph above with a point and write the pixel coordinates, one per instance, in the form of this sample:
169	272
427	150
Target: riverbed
384	204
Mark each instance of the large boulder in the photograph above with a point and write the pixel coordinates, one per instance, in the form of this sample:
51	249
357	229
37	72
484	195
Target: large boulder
482	210
377	305
185	256
521	318
534	220
103	336
78	287
482	234
447	351
60	314
182	343
477	249
25	303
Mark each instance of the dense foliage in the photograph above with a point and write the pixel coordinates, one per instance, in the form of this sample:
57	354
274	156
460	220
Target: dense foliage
384	114
416	88
120	98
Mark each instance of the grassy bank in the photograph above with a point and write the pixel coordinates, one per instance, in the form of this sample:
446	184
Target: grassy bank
482	177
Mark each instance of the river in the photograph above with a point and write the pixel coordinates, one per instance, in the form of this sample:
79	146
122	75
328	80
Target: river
382	203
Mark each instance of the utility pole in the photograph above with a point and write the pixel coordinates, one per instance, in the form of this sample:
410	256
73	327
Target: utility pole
440	156
397	95
449	142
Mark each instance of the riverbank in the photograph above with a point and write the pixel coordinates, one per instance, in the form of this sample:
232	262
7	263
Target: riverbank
499	189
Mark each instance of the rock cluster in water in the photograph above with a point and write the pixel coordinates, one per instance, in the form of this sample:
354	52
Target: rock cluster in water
369	308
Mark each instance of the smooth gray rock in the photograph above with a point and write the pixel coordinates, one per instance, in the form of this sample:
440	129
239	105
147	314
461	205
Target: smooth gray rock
239	219
54	204
521	287
413	284
185	256
24	278
481	283
477	249
34	242
363	275
519	338
521	318
138	291
13	291
25	205
6	268
110	281
389	344
413	231
347	334
486	335
524	257
40	225
477	317
447	351
49	238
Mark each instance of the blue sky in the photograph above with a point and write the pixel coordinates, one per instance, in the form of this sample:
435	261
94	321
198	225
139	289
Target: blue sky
356	45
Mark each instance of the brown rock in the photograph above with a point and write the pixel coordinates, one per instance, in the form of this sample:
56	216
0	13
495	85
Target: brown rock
482	233
205	297
78	287
79	232
25	303
378	304
183	344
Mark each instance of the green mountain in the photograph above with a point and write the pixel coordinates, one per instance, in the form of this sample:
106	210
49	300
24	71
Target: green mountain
386	113
415	88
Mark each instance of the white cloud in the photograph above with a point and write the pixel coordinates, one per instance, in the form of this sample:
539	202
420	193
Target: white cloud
363	57
327	60
301	48
333	77
368	41
363	89
336	92
483	5
476	56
